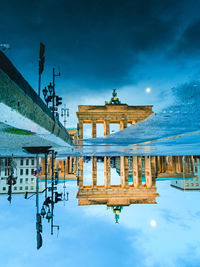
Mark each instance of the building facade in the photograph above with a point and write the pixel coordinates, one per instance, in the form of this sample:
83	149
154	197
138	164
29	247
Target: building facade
24	168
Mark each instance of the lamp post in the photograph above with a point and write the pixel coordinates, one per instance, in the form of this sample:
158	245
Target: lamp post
65	114
37	151
50	95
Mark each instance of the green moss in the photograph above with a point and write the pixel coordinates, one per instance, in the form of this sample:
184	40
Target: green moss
18	131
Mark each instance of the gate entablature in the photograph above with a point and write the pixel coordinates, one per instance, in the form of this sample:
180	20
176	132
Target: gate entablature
111	113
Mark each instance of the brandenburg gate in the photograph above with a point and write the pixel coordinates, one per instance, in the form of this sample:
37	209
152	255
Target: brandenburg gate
142	189
111	112
124	194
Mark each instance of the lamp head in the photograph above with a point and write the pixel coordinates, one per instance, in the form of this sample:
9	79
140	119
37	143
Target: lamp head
50	88
45	92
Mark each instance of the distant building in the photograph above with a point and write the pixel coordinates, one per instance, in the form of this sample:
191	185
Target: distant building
188	183
115	163
24	171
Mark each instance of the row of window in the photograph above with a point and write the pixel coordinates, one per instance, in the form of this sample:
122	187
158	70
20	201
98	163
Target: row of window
21	188
27	162
192	184
7	171
21	180
26	171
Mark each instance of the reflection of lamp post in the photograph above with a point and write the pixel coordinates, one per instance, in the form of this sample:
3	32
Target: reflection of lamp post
43	211
64	187
49	215
37	151
65	113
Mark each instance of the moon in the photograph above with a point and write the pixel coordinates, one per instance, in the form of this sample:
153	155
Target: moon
153	223
148	90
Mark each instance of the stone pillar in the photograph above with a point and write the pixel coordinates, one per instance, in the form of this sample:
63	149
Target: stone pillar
70	164
80	177
191	163
94	172
148	174
174	164
66	166
107	172
75	139
123	124
106	128
179	164
161	164
124	171
94	129
80	127
137	171
157	165
185	164
153	170
171	164
61	165
75	165
166	159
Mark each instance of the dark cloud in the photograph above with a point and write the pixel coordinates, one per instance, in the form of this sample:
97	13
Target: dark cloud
96	43
189	42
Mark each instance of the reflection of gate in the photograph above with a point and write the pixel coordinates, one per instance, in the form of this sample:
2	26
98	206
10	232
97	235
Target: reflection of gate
65	167
140	189
124	194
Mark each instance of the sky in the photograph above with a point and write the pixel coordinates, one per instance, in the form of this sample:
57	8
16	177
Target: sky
100	45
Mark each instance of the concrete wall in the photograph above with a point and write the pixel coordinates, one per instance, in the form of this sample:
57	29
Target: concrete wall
16	93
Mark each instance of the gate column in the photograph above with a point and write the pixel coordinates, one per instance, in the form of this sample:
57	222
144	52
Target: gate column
106	127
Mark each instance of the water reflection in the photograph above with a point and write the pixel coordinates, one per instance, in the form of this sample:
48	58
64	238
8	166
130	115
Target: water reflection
115	182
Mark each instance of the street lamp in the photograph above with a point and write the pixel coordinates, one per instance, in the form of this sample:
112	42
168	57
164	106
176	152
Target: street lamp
44	91
50	88
50	96
49	215
65	113
43	211
48	93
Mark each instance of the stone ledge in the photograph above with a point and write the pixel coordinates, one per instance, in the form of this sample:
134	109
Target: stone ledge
16	93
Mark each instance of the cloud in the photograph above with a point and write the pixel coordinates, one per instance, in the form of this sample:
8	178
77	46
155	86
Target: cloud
96	43
189	42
